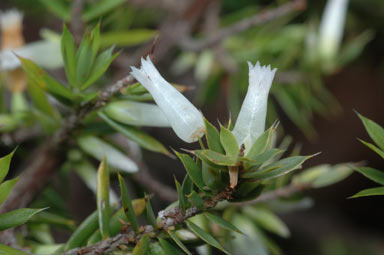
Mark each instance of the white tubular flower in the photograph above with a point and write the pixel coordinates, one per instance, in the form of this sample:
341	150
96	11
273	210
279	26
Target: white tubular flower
331	28
185	119
250	123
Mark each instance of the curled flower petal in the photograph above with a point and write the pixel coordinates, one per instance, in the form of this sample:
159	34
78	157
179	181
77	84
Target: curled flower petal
185	119
250	123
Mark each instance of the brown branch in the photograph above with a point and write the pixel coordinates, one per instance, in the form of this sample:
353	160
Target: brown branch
44	161
245	24
168	219
77	25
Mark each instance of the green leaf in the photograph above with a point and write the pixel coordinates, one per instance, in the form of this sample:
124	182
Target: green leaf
100	65
213	137
169	248
58	8
181	197
178	242
379	191
142	246
38	76
5	189
334	174
84	61
278	168
40	100
247	191
98	148
187	186
53	219
221	222
127	204
80	236
373	147
151	218
215	158
206	237
102	198
5	162
95	40
17	217
371	173
268	220
141	138
127	38
262	158
192	169
211	177
100	8
69	55
262	143
375	131
6	250
196	200
228	140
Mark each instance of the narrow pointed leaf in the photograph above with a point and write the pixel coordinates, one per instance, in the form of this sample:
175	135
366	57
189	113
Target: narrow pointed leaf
5	162
215	157
68	54
187	185
127	204
206	237
80	236
262	143
374	148
379	191
6	250
213	137
228	141
151	218
141	138
17	217
127	38
169	248
102	7
375	131
180	195
372	174
221	222
178	242
142	246
193	170
196	200
5	189
103	198
211	177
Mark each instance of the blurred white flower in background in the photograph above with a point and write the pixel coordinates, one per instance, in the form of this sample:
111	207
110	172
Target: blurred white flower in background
185	119
332	28
250	123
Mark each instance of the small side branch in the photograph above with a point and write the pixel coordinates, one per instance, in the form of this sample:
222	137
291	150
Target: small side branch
245	24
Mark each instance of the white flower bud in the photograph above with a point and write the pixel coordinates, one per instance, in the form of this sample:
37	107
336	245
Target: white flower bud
331	28
185	119
250	123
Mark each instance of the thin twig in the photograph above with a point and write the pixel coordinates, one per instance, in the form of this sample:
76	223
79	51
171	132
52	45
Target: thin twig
258	19
77	25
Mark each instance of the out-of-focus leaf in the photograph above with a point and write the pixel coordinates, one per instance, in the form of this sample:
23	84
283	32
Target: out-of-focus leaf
311	174
156	249
371	173
266	219
247	191
221	222
38	76
58	8
379	191
102	198
136	113
100	8
278	168
53	220
141	138
8	122
84	58
262	158
206	237
375	131
213	137
100	65
127	38
229	143
80	236
40	100
335	174
17	217
97	148
374	148
127	204
41	232
46	249
68	54
6	250
169	248
142	246
178	242
192	169
5	189
4	165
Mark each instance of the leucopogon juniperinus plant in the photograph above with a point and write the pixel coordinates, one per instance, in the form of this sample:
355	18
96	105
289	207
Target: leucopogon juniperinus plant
228	179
